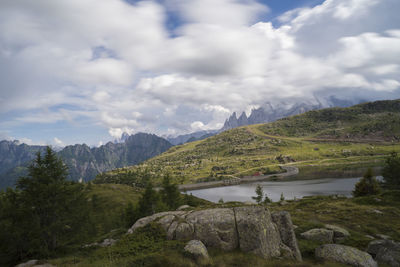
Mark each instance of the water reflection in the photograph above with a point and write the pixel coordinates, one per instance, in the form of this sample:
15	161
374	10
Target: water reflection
290	189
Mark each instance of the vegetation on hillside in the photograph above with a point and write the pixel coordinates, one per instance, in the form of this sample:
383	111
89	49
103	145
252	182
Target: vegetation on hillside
354	138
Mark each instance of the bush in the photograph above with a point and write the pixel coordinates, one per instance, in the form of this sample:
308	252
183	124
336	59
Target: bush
391	171
368	185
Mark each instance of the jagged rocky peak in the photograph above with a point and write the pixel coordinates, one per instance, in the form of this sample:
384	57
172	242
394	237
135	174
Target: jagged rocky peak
274	110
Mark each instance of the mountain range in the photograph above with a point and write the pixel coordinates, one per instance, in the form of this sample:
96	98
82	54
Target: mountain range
272	111
345	141
83	162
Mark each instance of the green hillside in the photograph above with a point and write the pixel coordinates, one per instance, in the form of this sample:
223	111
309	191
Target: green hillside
338	141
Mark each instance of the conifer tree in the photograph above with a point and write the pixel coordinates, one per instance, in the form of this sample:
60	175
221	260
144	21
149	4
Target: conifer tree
170	193
259	194
391	171
368	185
46	211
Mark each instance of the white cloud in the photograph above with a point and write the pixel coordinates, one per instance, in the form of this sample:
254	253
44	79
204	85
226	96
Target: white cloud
117	65
58	142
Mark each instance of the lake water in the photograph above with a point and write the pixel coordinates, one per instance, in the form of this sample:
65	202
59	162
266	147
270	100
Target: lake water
290	189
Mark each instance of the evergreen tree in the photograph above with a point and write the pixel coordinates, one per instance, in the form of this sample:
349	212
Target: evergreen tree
170	193
391	171
267	199
45	212
148	201
368	185
259	194
130	215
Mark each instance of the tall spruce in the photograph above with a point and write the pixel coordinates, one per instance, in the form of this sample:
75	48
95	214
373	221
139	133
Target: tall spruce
170	193
44	213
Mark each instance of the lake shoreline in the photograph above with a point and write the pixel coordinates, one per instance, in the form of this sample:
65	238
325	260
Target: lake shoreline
290	171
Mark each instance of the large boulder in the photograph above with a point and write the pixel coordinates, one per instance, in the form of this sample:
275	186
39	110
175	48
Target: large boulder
197	250
146	220
286	228
215	228
385	252
257	232
321	235
249	228
344	254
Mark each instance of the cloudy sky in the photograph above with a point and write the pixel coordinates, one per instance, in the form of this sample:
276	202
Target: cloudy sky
74	71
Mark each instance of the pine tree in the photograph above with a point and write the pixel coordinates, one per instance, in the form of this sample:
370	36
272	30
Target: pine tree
259	193
46	211
170	193
148	201
368	185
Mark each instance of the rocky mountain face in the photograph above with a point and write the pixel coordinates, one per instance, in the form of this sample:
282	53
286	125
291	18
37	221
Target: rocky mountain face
12	155
273	111
83	162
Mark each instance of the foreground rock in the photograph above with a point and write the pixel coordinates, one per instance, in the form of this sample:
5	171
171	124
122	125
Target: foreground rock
249	228
286	230
321	235
197	250
339	233
344	254
34	263
385	252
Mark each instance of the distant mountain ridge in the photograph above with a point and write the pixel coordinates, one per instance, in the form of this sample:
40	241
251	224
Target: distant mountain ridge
195	136
270	112
83	162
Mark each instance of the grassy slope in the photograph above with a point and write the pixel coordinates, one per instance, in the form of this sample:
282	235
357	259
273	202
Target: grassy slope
148	247
346	138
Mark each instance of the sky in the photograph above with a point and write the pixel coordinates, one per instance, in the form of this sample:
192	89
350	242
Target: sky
85	71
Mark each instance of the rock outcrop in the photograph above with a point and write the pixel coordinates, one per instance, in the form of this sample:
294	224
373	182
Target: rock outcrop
286	230
249	228
344	254
385	252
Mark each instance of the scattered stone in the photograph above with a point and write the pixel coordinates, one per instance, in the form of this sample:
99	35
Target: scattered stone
376	211
385	252
197	250
27	264
339	233
369	237
295	227
344	254
107	242
321	235
34	263
183	207
378	199
283	203
382	236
